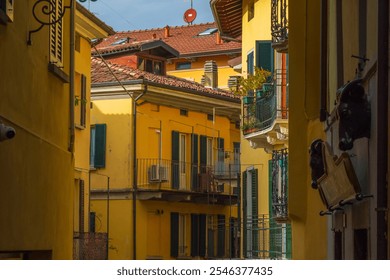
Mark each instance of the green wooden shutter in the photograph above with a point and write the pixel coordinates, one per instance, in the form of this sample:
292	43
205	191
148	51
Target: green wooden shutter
194	235
250	63
255	212
83	101
264	55
175	160
244	207
194	168
202	235
174	234
203	153
221	236
100	146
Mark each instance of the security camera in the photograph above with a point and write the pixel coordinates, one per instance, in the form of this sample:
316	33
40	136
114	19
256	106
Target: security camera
6	132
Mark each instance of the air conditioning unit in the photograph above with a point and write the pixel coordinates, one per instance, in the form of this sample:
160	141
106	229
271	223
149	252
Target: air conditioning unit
158	173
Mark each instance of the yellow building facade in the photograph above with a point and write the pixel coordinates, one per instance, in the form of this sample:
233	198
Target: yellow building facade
38	161
182	203
36	166
264	124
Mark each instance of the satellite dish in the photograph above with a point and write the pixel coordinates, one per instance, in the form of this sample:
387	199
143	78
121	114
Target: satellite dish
189	15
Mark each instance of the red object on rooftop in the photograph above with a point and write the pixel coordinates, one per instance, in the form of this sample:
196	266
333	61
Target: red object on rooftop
189	15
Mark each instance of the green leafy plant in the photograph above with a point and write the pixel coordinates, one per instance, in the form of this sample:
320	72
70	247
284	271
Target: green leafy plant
253	82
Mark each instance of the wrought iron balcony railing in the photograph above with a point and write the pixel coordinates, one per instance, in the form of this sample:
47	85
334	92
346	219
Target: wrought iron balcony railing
279	25
263	108
265	238
161	174
279	185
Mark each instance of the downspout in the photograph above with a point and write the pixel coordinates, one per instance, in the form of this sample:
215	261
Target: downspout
323	61
382	116
135	170
71	78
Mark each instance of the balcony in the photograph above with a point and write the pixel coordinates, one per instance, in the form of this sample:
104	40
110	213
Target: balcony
279	25
265	120
160	179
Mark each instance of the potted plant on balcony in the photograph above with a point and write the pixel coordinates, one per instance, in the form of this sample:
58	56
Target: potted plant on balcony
251	84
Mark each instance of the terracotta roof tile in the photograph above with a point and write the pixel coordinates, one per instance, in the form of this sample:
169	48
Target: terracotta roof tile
184	39
101	74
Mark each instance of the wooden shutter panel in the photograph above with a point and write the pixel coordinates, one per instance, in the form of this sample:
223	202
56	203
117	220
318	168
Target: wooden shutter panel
244	205
174	234
175	159
250	63
255	213
83	101
264	55
92	221
221	236
194	156
202	235
100	146
203	152
273	230
194	235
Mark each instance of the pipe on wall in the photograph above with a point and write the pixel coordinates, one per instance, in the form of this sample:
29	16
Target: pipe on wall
382	129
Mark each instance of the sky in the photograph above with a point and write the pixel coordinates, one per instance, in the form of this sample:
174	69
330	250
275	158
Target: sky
123	15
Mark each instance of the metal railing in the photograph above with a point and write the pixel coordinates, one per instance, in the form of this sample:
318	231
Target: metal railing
162	174
279	184
264	238
90	246
269	104
279	24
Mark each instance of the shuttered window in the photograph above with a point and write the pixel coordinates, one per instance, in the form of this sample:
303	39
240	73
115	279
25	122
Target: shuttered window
56	32
174	234
194	159
175	160
203	153
250	207
250	63
221	236
98	146
264	55
198	235
83	101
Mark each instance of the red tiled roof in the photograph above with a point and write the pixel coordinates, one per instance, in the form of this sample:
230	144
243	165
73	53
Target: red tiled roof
184	39
101	74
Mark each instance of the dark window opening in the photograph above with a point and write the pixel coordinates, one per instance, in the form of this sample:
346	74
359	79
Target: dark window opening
251	10
183	112
183	65
360	244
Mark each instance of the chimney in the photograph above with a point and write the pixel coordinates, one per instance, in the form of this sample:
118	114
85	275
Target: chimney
219	39
166	31
154	36
210	74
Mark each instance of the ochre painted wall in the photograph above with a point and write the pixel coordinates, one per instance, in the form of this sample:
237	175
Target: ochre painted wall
36	168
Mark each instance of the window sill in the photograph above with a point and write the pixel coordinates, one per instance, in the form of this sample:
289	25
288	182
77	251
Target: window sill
79	126
58	72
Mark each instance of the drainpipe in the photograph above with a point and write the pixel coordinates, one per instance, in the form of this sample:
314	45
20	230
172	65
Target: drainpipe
323	62
71	77
382	116
135	170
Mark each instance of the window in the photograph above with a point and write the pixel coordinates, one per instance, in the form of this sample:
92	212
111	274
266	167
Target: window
251	10
151	65
184	112
77	42
183	65
83	101
250	63
120	41
179	246
208	31
98	146
56	32
265	55
250	198
210	117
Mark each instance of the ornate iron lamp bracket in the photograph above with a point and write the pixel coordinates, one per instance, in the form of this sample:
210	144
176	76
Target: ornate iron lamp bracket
47	8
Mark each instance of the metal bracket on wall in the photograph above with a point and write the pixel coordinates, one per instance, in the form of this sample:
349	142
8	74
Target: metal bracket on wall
46	9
